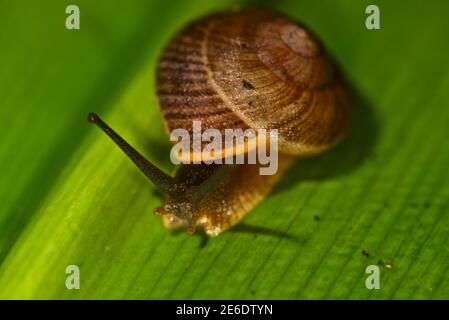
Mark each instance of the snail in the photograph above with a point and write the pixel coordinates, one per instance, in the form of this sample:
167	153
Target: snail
246	69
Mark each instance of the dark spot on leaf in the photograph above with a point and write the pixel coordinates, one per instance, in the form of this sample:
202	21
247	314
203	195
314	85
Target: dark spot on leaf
316	218
384	264
427	204
247	85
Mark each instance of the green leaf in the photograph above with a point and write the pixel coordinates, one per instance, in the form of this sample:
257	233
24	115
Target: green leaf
70	197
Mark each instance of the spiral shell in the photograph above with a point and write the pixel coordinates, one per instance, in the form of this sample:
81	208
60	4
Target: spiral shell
254	69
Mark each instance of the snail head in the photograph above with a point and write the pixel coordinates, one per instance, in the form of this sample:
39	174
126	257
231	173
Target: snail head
184	192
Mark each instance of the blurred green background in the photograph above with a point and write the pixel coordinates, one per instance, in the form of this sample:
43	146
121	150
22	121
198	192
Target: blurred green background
68	196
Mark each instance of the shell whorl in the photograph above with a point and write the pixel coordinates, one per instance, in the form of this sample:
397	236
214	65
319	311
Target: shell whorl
254	69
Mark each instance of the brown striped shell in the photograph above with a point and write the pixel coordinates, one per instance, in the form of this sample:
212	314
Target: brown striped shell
254	69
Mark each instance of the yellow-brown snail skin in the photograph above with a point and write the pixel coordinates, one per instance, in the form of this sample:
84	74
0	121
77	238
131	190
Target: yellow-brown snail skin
246	69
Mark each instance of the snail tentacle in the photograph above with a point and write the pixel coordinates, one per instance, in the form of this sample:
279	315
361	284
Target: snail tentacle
162	180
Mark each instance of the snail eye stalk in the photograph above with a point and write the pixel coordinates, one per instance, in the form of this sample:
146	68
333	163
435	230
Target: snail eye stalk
158	177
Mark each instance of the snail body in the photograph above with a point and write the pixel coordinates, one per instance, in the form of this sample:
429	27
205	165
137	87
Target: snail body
241	70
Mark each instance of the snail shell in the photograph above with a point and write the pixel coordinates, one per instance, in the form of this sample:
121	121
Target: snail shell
254	69
250	69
